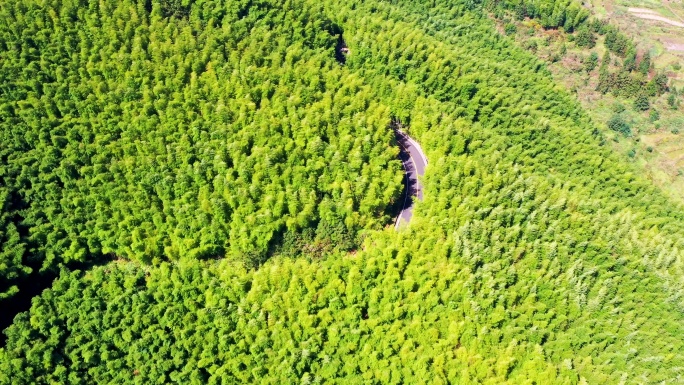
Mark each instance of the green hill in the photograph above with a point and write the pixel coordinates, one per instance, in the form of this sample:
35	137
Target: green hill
167	135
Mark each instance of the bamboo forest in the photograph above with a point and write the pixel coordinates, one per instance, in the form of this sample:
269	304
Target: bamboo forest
205	192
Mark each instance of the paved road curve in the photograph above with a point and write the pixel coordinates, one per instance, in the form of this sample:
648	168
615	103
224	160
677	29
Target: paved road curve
414	163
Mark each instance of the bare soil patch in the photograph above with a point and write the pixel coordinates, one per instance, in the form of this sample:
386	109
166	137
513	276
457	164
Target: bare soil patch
652	15
674	46
642	10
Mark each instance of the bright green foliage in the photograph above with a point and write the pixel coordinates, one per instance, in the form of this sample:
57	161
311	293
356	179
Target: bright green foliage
290	322
12	248
147	137
536	256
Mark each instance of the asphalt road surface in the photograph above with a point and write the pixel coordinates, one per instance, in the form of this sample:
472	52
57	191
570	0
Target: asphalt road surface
414	163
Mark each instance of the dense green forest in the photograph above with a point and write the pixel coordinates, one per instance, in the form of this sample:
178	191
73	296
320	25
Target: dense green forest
145	136
190	141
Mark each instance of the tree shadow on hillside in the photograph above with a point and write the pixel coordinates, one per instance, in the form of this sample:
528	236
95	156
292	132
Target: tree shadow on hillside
33	285
341	50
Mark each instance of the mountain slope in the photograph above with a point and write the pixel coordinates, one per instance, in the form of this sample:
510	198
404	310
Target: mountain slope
536	256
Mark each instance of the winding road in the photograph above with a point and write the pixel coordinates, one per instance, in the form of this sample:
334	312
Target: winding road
414	161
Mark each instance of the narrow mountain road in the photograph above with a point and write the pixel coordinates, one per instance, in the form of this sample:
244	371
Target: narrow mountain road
414	163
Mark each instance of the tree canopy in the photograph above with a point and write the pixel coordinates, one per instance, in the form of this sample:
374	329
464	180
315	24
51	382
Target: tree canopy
171	133
147	137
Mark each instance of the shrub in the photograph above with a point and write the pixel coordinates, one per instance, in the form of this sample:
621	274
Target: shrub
641	102
654	115
672	101
591	62
585	38
618	124
510	29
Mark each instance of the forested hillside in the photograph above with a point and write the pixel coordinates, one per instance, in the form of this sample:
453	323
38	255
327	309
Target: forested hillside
626	73
169	134
148	136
